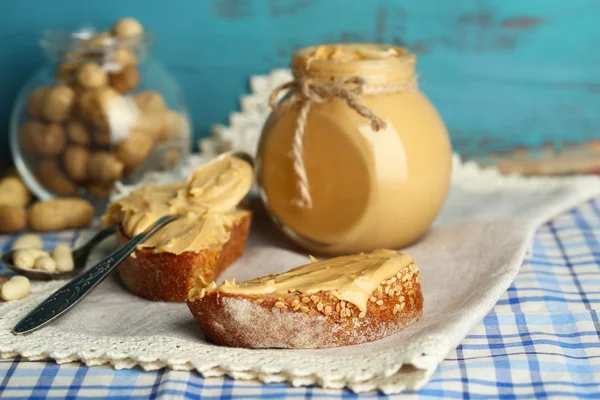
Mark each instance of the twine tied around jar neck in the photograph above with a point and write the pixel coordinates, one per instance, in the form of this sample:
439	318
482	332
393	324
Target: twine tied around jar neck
305	92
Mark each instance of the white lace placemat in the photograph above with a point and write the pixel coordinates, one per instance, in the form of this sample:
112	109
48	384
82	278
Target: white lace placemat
467	260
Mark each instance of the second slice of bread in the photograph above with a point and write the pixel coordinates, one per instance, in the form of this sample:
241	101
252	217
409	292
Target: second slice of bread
319	320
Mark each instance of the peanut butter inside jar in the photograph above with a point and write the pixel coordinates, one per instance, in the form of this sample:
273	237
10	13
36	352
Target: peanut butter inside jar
354	157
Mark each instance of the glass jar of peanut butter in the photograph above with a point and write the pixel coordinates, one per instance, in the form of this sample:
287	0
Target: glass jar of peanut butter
354	157
100	110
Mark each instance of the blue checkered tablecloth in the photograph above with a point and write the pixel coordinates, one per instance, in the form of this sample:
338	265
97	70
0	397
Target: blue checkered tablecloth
540	340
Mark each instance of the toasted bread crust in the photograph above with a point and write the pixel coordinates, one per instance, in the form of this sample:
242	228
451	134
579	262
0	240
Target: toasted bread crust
169	277
319	320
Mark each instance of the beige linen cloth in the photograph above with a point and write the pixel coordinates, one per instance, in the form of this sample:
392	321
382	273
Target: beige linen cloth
467	260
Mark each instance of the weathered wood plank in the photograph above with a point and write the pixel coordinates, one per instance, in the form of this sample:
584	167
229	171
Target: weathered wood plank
502	73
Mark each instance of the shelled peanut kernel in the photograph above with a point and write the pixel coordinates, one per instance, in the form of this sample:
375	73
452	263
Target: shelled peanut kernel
26	258
63	257
15	288
45	263
28	241
29	255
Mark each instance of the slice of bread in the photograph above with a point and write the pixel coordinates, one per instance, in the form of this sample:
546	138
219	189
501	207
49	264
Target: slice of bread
297	320
165	276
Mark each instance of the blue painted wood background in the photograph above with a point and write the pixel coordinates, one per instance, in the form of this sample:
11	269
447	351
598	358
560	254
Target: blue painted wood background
502	73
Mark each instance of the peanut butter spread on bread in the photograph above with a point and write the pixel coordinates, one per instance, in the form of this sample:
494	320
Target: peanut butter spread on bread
206	204
351	278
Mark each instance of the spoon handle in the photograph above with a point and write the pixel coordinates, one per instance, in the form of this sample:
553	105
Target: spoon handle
73	292
81	254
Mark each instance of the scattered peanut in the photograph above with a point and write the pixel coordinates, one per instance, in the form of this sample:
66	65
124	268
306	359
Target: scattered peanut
32	258
87	106
59	214
125	80
104	167
63	257
50	141
78	133
54	179
15	288
12	218
134	149
13	192
76	162
58	103
91	76
28	241
128	28
94	104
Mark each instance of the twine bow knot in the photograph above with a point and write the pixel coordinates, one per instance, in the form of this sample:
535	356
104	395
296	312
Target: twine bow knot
306	92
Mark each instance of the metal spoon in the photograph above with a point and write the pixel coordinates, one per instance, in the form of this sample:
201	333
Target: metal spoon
80	256
65	298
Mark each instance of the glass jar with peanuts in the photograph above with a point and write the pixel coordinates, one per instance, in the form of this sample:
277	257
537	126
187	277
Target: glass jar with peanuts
354	157
101	110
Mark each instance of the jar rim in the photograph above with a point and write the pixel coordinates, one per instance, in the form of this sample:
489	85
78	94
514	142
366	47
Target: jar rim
403	53
57	41
397	68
